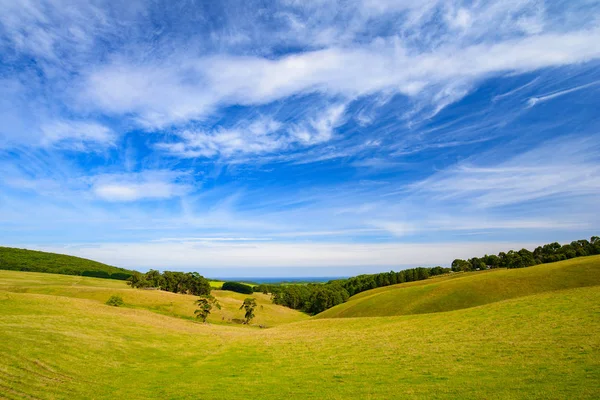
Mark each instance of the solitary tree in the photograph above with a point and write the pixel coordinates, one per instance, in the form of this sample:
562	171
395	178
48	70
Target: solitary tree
205	305
249	305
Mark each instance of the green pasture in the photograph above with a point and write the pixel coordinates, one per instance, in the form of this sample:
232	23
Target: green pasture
535	336
463	290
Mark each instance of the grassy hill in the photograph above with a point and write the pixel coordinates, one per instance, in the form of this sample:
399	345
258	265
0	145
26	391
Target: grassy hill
59	340
40	261
158	301
471	289
541	346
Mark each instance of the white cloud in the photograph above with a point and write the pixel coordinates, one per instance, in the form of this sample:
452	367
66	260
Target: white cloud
77	135
213	239
461	19
542	172
256	137
260	136
549	96
196	256
185	88
458	223
138	186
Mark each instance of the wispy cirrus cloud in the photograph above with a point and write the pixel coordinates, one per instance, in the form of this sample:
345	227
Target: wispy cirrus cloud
176	91
255	137
549	96
76	135
543	172
275	255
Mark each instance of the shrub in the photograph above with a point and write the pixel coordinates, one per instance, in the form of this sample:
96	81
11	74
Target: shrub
237	287
115	300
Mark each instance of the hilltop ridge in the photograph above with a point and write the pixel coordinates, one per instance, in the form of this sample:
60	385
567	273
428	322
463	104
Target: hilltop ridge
15	259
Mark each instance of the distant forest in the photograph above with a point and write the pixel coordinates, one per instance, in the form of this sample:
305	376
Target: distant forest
311	298
176	282
524	258
315	298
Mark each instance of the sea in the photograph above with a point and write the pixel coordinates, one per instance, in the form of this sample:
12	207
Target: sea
279	280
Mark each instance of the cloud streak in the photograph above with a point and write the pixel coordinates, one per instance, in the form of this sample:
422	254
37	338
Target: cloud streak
537	174
539	99
275	255
190	88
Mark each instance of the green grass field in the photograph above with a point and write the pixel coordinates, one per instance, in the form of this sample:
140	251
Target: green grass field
58	340
464	290
162	302
216	284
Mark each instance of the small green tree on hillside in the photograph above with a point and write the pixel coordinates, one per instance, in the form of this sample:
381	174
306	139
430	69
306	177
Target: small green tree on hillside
249	305
205	305
115	300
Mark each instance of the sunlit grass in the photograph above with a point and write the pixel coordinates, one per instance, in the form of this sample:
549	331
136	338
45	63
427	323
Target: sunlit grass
58	340
469	289
542	346
179	305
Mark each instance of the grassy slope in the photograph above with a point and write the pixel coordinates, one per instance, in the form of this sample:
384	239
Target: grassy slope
31	260
216	284
468	290
541	346
162	302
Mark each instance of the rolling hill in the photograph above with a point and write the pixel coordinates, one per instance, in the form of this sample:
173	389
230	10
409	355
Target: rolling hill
464	290
540	346
529	333
158	301
40	261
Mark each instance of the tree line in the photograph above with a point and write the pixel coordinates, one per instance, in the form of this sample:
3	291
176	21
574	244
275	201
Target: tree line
237	287
547	253
176	282
315	298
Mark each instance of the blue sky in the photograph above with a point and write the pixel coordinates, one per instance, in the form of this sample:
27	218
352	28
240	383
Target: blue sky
294	138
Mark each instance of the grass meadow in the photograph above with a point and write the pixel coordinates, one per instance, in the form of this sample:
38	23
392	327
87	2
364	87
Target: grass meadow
462	290
162	302
58	340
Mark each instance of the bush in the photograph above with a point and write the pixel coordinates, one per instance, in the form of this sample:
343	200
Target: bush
115	300
237	287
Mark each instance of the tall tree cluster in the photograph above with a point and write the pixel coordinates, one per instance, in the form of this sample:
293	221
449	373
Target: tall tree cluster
524	258
237	287
176	282
315	298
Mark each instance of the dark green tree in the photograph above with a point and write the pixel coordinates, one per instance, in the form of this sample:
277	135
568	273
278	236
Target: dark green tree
461	265
155	279
237	287
137	280
205	305
249	305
